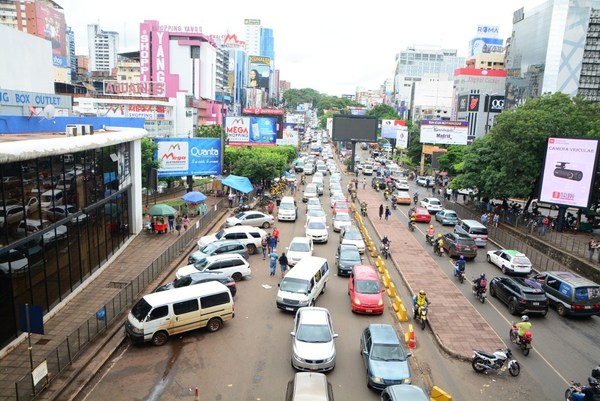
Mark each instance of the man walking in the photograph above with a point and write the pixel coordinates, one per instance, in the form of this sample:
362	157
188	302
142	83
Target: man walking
388	213
364	183
591	248
380	211
273	262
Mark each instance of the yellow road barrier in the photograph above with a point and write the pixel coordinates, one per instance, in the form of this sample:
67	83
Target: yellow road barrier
437	394
391	290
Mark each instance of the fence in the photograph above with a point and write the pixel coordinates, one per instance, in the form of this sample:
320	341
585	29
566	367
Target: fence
72	346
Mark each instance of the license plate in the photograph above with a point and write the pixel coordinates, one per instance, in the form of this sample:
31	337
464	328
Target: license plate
467	248
290	309
587	307
369	310
536	304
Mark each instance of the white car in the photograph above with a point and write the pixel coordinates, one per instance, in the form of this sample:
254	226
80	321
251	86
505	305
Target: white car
341	220
433	205
313	203
336	197
423	180
299	248
510	261
313	346
30	226
316	214
230	264
352	235
60	212
334	186
250	218
335	177
13	261
317	230
249	236
402	185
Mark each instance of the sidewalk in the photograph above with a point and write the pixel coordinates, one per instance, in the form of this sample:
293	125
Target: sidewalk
141	251
457	325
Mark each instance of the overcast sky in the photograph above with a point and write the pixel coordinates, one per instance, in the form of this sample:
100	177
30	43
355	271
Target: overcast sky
331	46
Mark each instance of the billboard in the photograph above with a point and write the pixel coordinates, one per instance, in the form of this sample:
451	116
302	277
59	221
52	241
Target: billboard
354	128
444	132
290	136
251	131
259	73
50	24
485	45
463	102
188	156
473	104
569	171
395	129
494	104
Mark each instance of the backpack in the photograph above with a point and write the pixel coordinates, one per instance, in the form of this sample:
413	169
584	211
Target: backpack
483	282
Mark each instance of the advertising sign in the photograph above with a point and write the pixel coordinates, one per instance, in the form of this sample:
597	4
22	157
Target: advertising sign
444	132
395	129
569	171
494	104
485	45
125	88
188	156
259	73
463	102
290	136
473	103
354	128
251	131
50	25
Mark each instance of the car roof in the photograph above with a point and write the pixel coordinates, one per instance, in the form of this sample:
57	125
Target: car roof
213	258
462	236
421	209
314	315
383	334
513	252
348	247
527	283
407	392
214	275
300	239
364	272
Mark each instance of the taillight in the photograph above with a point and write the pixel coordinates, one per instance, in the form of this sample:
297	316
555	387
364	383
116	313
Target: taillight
522	301
458	246
597	306
578	307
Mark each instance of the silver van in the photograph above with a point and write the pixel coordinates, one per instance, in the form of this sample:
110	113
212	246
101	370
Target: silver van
473	229
159	315
303	284
570	293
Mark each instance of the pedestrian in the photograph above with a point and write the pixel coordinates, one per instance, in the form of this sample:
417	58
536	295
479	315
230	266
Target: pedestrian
263	245
272	242
388	213
186	222
204	208
484	219
269	248
272	262
231	198
283	263
496	219
591	248
178	223
356	184
380	211
276	234
364	183
545	224
171	223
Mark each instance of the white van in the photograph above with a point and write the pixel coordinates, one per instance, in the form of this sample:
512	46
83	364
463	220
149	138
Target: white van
473	229
303	284
159	315
287	209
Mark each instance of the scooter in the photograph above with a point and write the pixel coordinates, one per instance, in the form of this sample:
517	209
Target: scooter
411	225
460	275
575	390
523	342
421	314
416	199
429	239
438	249
393	202
385	250
479	292
484	361
363	210
386	194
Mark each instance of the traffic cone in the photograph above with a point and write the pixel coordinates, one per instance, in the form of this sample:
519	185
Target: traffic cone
412	342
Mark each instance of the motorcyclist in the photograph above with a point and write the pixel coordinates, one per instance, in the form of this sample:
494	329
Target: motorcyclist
460	266
386	193
413	220
419	301
430	234
523	326
385	241
416	197
439	242
480	282
363	206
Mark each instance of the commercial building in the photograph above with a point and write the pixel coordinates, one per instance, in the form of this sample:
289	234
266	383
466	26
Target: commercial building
103	48
554	48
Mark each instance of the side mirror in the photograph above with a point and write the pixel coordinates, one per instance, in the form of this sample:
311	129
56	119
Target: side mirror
293	333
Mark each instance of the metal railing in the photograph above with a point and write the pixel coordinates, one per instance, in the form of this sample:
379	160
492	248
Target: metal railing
72	346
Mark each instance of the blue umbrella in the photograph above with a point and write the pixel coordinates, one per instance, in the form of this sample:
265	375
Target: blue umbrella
194	197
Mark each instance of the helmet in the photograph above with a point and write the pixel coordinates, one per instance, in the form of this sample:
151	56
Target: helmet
593	382
422	292
431	226
596	372
462	257
439	235
482	275
524	318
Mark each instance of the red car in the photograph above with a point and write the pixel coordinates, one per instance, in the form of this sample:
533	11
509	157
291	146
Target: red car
365	290
341	206
421	214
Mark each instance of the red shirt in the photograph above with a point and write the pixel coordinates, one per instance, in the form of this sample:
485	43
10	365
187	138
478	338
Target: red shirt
276	233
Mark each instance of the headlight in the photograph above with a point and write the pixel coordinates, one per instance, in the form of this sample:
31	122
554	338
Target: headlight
279	299
136	330
377	379
380	302
356	301
407	381
303	303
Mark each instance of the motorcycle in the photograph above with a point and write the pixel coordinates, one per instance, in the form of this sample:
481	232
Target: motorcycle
484	361
429	239
575	391
394	204
416	199
421	314
385	250
363	210
438	249
523	342
386	194
239	209
412	225
479	292
460	275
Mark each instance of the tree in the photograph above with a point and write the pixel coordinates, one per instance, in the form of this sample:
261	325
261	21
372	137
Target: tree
209	131
383	112
149	148
452	160
258	164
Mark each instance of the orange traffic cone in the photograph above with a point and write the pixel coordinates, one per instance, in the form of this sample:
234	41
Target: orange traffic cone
412	342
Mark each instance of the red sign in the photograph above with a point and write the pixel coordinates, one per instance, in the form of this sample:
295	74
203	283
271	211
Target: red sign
134	89
263	111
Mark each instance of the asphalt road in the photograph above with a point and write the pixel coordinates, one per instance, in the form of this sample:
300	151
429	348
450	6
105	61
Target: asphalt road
249	359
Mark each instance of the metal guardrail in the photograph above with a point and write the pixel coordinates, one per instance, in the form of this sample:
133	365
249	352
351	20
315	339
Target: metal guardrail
70	348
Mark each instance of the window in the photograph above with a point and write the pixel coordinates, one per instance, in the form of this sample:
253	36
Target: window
159	312
209	301
185	307
255	235
553	283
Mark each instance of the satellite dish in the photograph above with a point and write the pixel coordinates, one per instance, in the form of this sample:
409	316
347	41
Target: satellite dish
49	112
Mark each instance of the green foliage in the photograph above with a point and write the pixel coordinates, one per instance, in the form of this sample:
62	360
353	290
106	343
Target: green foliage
149	147
414	145
258	163
452	160
294	97
383	112
208	131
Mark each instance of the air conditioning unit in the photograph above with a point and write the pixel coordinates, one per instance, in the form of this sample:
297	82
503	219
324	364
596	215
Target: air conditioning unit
86	129
79	129
71	130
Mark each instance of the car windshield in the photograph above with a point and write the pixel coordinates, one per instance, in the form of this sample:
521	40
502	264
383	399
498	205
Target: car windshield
182	282
299	247
294	286
239	215
342	217
316	213
313	333
209	248
387	352
287	206
200	264
367	287
314	202
316	225
450	214
140	310
353	235
219	234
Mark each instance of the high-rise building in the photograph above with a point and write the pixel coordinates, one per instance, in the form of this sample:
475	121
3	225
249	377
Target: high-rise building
71	56
103	48
260	48
554	48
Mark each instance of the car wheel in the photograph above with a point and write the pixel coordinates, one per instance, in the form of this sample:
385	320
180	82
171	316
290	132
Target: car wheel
489	260
214	324
251	249
561	310
266	224
503	268
512	307
237	276
160	338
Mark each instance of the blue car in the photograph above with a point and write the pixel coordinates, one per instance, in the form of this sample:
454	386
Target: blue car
384	357
447	217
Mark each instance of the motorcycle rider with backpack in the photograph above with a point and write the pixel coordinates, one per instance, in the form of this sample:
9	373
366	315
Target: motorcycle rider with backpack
480	282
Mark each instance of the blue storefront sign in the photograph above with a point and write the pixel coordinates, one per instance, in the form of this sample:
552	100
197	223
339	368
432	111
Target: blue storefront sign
188	156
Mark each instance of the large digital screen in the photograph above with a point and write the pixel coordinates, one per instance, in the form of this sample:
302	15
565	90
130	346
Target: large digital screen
444	132
354	128
251	131
188	156
569	171
259	74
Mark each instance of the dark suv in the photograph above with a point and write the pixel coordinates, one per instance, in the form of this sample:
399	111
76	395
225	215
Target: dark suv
457	244
379	182
521	294
200	277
